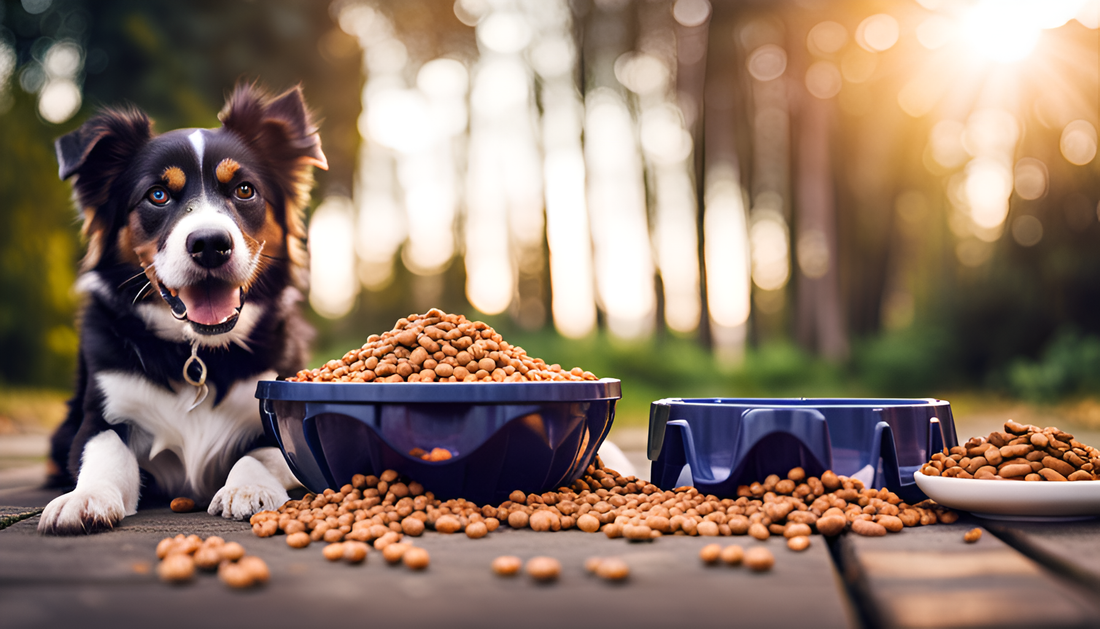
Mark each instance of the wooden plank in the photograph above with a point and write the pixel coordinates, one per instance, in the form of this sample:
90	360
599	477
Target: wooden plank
928	576
90	581
1068	548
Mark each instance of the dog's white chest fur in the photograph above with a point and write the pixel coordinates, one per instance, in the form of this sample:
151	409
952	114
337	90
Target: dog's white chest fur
189	451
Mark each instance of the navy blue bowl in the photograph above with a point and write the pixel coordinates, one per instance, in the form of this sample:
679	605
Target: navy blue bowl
532	436
717	444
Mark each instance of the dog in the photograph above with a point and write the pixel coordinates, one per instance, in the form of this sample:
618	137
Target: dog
194	270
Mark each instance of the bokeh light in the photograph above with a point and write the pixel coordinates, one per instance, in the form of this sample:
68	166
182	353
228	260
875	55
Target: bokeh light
878	33
767	62
823	79
332	280
826	38
1078	142
1030	178
1027	230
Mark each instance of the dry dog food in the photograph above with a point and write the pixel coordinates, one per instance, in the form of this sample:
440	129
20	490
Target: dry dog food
799	543
416	558
507	565
543	569
1019	452
710	553
182	505
972	536
613	569
759	559
733	555
439	347
180	555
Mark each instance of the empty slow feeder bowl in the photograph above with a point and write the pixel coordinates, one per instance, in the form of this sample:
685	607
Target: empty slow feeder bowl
532	436
717	444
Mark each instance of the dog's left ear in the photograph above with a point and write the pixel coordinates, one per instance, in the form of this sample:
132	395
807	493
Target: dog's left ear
279	127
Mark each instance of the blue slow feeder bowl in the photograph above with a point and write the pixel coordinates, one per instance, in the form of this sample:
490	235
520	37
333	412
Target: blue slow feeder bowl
717	444
532	436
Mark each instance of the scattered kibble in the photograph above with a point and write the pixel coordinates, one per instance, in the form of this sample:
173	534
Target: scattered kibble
507	565
416	558
759	559
613	569
544	569
733	555
710	553
181	555
182	505
799	543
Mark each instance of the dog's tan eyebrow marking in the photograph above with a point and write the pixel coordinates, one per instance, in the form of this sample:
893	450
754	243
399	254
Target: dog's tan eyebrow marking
226	169
175	178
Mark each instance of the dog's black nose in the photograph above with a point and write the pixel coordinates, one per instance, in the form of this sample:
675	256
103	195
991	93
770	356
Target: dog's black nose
210	248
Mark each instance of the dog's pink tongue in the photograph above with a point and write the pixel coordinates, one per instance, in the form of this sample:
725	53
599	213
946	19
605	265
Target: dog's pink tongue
210	302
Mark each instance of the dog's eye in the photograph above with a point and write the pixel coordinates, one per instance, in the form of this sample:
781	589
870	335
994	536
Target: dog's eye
158	196
245	191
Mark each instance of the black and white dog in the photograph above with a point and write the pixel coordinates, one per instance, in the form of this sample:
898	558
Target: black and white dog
194	270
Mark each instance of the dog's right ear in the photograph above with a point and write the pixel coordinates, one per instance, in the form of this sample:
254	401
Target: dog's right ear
96	154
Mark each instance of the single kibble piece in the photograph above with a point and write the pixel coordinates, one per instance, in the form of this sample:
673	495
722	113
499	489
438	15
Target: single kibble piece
333	552
394	552
176	568
543	568
613	570
476	530
798	544
256	568
412	526
416	558
733	555
235	575
232	551
507	565
207	558
447	525
267	528
868	528
355	552
516	519
182	505
588	523
972	536
707	528
710	553
758	530
759	559
164	546
298	540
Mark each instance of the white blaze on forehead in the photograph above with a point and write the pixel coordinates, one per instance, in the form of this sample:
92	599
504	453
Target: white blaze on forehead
199	143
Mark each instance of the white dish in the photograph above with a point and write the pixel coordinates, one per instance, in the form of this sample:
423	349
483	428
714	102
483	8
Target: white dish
1007	499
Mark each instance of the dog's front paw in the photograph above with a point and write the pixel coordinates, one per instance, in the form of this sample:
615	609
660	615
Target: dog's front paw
83	510
242	501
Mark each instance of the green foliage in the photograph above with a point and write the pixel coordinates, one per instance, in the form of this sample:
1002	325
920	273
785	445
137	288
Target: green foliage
39	253
1069	365
911	362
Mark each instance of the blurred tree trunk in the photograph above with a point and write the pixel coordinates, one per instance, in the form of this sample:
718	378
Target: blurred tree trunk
820	314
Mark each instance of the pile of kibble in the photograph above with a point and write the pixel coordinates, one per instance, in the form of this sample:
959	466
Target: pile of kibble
439	347
1019	452
180	556
382	510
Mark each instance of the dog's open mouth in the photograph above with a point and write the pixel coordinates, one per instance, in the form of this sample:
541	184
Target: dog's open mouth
211	306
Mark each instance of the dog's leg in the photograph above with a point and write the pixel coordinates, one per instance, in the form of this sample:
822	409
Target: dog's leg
258	481
107	489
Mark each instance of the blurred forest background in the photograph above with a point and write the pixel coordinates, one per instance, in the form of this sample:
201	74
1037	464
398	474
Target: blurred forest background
733	197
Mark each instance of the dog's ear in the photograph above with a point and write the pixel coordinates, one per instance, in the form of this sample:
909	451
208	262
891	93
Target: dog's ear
96	154
282	124
282	132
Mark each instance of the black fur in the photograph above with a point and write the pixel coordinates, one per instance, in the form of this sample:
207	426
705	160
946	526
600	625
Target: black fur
113	159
